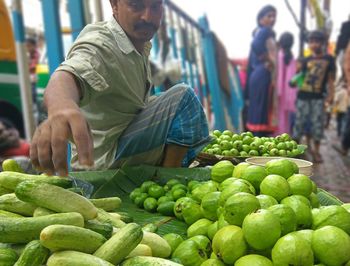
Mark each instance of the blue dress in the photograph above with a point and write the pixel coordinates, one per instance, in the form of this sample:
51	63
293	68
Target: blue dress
260	91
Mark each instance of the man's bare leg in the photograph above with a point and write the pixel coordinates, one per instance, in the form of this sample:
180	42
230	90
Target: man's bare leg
174	155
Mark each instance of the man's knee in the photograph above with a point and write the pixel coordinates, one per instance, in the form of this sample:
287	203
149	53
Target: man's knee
182	88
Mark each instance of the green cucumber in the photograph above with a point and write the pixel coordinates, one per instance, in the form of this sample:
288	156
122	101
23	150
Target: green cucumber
75	258
4	191
120	244
140	250
8	257
4	214
10	180
11	203
107	204
105	217
55	198
76	190
160	247
18	248
104	229
34	254
40	211
59	237
24	230
148	261
11	165
125	217
151	227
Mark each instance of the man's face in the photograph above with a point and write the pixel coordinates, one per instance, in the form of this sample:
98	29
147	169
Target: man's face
140	19
269	19
30	47
315	46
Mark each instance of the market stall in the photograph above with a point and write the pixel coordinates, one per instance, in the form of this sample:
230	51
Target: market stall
222	215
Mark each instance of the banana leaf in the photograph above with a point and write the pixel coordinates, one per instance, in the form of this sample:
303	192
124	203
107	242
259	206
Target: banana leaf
120	182
327	198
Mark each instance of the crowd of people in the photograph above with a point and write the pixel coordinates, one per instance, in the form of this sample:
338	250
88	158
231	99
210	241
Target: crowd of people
285	94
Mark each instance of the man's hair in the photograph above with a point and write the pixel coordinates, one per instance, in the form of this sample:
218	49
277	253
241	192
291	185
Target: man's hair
317	36
31	40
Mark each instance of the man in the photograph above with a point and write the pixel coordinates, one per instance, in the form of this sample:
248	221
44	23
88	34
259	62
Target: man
319	70
343	37
345	143
34	57
99	99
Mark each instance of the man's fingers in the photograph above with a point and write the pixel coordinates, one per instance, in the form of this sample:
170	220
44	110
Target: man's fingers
59	141
82	138
44	149
33	152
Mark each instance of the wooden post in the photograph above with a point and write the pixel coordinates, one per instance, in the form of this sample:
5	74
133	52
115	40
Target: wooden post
302	28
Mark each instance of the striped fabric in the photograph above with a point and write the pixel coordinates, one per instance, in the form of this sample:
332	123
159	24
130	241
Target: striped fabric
174	117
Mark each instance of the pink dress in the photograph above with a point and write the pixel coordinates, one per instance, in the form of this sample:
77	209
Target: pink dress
286	94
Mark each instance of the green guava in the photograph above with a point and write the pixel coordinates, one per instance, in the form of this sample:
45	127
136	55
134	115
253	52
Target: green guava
287	218
332	215
201	190
229	244
191	212
261	229
212	229
226	183
306	234
210	204
255	175
203	242
314	201
237	172
237	186
282	167
174	240
301	209
253	259
331	245
189	253
275	186
300	185
199	227
346	206
222	170
213	262
292	249
266	201
238	206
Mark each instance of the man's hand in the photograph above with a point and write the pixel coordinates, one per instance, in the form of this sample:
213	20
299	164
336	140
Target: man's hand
48	150
329	101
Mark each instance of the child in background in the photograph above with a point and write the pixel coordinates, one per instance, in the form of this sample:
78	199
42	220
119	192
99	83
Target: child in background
319	69
341	103
286	93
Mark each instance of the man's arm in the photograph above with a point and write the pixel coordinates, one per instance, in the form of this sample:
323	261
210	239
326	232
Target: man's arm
347	66
65	121
331	90
331	82
272	57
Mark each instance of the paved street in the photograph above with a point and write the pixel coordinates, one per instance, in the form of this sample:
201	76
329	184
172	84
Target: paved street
333	174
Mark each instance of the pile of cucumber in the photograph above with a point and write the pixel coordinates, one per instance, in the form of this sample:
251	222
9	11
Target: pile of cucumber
43	222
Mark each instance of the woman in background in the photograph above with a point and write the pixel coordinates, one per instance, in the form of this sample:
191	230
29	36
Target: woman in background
286	94
261	75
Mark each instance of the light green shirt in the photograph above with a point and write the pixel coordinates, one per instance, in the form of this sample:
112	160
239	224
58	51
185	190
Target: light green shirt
115	82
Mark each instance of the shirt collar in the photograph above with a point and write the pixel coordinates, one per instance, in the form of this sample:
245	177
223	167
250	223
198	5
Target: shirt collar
123	41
